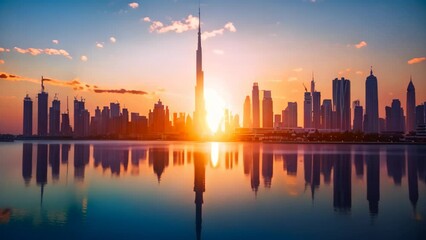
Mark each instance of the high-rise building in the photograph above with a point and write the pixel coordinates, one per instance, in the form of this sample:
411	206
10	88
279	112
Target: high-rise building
307	110
54	117
371	123
247	113
326	114
158	118
342	103
420	116
42	111
358	116
395	121
200	123
27	129
316	106
78	117
267	110
66	129
289	115
255	105
277	121
411	107
114	109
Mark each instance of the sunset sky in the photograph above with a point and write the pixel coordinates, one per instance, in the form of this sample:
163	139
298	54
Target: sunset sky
91	47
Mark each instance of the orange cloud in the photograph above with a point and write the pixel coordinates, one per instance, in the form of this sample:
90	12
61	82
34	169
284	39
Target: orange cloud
83	58
189	23
47	51
75	84
298	69
228	26
1	61
120	91
416	60
361	44
4	50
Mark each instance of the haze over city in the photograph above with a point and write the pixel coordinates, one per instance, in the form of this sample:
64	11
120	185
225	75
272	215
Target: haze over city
138	52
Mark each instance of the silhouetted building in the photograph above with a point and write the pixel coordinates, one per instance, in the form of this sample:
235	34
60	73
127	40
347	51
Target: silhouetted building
267	110
157	122
54	117
342	103
358	116
27	162
420	115
373	182
307	110
27	129
78	117
371	119
411	107
247	113
289	115
42	111
66	129
255	105
326	114
290	163
316	106
395	120
200	123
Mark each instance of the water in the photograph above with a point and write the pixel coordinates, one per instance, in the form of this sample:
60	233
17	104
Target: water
186	190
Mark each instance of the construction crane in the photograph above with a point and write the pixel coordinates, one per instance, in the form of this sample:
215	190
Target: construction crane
306	90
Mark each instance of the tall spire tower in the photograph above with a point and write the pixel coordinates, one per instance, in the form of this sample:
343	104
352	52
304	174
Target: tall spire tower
200	111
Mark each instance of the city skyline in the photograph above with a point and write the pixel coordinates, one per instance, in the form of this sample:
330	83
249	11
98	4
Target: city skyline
226	83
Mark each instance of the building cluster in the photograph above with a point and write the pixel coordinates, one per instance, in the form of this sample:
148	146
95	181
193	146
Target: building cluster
335	114
110	121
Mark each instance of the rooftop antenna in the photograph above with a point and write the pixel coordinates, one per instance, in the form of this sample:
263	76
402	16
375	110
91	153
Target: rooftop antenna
306	90
42	85
67	106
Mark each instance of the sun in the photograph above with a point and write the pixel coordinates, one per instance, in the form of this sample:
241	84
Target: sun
215	108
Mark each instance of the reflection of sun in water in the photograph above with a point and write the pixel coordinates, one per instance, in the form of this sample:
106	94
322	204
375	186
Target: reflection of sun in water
214	154
215	107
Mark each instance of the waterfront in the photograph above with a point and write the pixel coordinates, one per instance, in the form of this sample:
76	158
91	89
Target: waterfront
189	190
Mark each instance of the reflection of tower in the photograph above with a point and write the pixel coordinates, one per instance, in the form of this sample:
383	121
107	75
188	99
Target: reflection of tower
41	172
316	170
81	158
199	189
373	182
342	199
247	159
290	163
65	152
413	189
327	162
200	110
255	173
359	163
395	161
54	160
27	162
159	157
267	166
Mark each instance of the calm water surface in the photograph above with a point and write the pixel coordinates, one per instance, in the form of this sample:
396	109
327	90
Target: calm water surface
186	190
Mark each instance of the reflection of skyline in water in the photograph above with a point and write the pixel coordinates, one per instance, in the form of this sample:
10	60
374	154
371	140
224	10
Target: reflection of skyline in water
313	168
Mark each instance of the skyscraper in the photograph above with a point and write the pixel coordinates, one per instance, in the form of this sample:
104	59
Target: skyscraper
342	103
54	117
395	121
267	110
371	124
326	114
289	116
358	112
255	105
78	117
200	111
316	105
42	111
65	124
411	107
247	113
27	129
307	110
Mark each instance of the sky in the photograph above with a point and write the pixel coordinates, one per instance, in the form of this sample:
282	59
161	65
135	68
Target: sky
137	52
